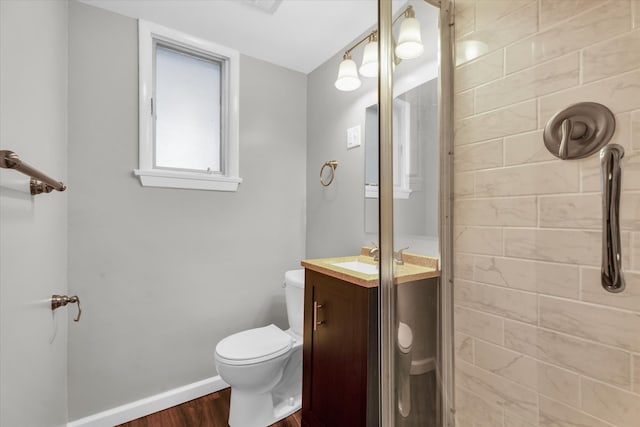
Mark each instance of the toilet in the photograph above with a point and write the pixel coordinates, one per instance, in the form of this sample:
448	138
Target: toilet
263	366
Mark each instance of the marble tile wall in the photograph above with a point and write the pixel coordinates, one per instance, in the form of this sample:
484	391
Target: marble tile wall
538	341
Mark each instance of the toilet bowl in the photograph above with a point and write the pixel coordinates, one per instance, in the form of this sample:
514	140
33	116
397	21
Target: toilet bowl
263	365
405	342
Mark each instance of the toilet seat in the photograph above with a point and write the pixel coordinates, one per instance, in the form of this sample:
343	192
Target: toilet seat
253	346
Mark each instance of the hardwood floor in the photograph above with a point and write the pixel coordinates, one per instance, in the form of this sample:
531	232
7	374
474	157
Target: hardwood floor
211	410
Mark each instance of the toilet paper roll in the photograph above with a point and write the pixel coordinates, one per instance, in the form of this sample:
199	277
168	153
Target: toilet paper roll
21	185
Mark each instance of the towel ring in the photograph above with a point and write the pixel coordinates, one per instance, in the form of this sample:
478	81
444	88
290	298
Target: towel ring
333	164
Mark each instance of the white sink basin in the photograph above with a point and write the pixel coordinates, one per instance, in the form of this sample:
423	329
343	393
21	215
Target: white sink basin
360	267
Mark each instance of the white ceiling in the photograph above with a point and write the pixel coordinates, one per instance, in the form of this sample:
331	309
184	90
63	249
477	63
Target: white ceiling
300	35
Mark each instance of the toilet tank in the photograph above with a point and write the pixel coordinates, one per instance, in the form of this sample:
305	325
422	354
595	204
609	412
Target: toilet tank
294	294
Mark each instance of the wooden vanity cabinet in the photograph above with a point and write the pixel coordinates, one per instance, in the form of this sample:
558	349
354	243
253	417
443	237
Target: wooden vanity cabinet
340	362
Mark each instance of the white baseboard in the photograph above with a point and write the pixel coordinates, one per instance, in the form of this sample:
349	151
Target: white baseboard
149	405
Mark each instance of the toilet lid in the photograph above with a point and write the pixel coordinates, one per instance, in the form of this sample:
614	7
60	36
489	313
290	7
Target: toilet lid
294	278
405	337
253	345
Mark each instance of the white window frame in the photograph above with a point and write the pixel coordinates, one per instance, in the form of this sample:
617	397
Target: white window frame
150	176
401	153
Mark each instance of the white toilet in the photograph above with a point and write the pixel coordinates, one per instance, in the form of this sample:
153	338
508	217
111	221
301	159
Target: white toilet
263	366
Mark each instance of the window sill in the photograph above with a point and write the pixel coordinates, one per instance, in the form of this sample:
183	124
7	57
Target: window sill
187	180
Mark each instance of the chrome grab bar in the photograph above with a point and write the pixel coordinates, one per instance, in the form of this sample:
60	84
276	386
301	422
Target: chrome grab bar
611	174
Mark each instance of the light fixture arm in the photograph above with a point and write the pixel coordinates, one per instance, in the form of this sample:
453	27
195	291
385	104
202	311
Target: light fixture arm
408	12
409	46
373	36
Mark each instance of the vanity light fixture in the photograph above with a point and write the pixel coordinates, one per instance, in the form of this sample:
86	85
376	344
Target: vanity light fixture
369	67
348	75
409	39
409	46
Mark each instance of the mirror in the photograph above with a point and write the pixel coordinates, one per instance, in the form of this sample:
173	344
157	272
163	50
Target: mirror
415	157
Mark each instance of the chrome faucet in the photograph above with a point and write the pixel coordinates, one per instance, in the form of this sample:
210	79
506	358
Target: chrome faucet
375	253
398	256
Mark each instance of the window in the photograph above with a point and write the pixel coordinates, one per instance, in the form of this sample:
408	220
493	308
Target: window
401	150
188	111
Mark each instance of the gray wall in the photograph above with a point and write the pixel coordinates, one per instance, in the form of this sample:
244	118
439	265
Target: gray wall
33	230
335	214
164	274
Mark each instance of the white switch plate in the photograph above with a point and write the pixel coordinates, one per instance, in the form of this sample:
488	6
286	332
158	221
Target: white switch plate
353	137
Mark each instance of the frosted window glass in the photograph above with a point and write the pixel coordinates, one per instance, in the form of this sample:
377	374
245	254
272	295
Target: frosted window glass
188	99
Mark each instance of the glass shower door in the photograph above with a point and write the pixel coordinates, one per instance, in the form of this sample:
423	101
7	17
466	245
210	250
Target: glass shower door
414	227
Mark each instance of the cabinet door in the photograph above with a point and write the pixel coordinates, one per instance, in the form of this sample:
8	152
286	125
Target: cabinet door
336	363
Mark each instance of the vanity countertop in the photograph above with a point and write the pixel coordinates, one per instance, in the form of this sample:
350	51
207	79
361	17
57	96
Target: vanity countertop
415	267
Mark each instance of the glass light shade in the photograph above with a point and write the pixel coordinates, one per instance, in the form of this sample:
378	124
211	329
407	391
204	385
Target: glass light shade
348	76
369	67
409	39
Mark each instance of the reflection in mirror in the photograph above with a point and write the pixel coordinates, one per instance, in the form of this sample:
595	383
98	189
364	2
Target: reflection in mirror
415	157
401	150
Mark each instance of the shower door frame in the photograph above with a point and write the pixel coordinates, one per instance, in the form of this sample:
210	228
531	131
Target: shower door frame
386	289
